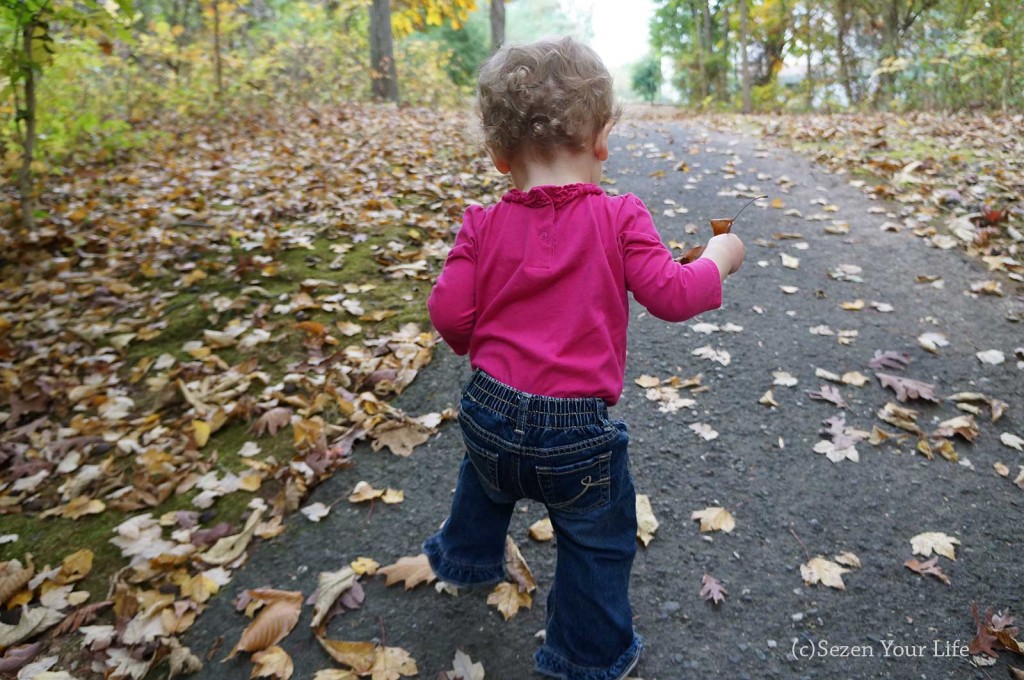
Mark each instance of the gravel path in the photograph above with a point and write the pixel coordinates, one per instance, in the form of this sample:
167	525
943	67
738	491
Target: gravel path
790	503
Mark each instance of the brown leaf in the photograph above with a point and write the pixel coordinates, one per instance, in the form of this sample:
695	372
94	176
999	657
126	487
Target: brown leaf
516	567
411	570
927	568
983	640
828	393
542	530
905	388
82	616
359	656
712	589
13	577
392	663
894	360
272	421
272	662
274	621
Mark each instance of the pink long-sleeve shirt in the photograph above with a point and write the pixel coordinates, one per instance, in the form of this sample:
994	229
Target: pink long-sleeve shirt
535	288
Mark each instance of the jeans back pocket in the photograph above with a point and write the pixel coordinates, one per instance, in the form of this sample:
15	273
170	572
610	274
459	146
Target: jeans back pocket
578	487
485	462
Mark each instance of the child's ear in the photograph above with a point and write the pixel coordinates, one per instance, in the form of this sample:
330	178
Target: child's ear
501	163
601	142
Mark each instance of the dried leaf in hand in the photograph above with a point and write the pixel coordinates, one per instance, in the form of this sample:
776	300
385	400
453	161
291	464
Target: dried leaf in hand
714	519
933	541
927	568
411	570
646	522
905	388
712	589
508	599
274	621
821	570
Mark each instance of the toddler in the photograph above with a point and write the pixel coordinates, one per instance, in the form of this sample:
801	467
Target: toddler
535	290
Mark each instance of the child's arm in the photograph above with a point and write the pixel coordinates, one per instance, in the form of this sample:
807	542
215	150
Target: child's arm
669	290
452	302
727	252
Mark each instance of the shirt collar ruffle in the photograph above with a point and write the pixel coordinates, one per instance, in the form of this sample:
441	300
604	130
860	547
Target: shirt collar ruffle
541	196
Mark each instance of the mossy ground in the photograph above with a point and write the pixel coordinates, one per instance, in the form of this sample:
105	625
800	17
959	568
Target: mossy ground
188	314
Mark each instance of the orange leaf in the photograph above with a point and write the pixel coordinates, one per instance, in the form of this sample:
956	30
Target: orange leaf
411	570
273	623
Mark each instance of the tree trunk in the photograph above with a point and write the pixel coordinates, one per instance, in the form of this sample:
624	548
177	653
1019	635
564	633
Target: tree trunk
744	59
217	63
810	55
497	24
842	26
28	114
698	41
382	52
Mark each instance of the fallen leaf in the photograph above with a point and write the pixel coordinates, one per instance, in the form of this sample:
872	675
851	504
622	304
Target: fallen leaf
364	565
508	599
789	262
364	492
993	357
711	589
230	548
412	571
828	393
894	360
714	519
359	656
927	568
848	559
392	663
1011	440
855	378
768	399
783	379
820	570
646	522
272	662
517	569
330	586
706	432
934	541
542	530
274	621
932	341
463	668
905	388
315	512
712	354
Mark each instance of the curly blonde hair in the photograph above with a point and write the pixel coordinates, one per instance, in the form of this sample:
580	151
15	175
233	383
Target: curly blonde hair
552	94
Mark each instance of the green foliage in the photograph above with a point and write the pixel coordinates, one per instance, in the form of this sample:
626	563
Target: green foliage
469	46
646	77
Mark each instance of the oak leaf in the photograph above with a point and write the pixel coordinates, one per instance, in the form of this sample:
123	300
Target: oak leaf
712	589
927	568
905	388
894	360
411	570
272	421
829	393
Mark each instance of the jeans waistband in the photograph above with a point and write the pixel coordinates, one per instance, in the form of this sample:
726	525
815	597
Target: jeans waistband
534	409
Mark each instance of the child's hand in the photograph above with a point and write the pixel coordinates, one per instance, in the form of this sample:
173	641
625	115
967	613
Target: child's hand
727	252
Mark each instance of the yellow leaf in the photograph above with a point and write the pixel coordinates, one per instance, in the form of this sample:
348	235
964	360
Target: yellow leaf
820	570
76	566
541	530
201	432
364	565
714	519
646	522
359	656
776	203
272	662
82	506
934	541
392	663
393	496
507	598
410	570
363	492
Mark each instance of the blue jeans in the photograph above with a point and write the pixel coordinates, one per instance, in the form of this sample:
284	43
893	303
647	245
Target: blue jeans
566	454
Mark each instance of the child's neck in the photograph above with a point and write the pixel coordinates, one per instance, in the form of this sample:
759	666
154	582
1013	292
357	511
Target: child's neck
563	168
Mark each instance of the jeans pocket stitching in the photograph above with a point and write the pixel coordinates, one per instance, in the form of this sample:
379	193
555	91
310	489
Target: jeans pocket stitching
489	460
602	463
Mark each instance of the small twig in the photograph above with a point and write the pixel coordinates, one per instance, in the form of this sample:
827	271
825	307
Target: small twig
806	553
383	634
